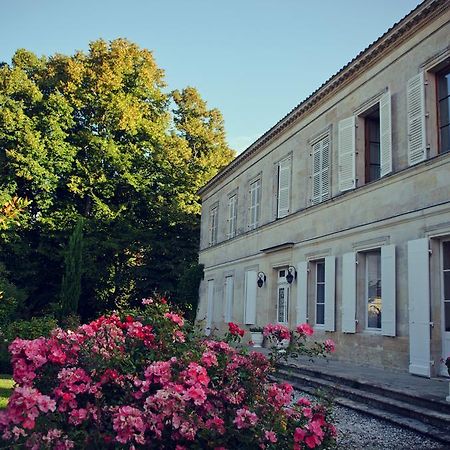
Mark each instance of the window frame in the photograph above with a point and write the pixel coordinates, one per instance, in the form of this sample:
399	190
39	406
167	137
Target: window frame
366	291
316	286
438	75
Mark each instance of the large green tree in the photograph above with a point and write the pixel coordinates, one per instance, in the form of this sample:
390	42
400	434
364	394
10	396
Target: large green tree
98	135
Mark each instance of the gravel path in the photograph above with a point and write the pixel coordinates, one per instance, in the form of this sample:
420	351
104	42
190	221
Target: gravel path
358	431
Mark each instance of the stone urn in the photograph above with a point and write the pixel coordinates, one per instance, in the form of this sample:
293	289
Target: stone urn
257	338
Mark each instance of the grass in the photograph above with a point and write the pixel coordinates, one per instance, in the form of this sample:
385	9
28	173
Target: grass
6	385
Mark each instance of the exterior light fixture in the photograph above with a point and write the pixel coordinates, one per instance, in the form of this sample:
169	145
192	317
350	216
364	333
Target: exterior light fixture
291	275
261	279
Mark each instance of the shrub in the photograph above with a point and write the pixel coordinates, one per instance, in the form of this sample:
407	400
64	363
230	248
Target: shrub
149	380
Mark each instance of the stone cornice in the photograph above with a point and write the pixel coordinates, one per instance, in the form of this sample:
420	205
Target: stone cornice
390	40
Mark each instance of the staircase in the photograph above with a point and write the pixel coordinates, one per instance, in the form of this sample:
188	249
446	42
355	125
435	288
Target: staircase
425	415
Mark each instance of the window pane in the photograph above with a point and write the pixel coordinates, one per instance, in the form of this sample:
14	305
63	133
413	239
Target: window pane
373	289
320	293
444	85
320	314
445	139
374	153
374	173
447	285
446	250
281	304
447	316
444	108
320	272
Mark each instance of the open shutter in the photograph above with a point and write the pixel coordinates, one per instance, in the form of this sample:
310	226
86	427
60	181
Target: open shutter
346	141
385	134
317	172
388	290
250	297
284	187
419	307
349	293
255	206
229	287
330	270
325	178
209	307
302	292
415	107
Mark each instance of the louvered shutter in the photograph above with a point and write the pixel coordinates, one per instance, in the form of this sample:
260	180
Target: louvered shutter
255	204
302	292
385	134
325	178
229	287
250	297
232	216
415	107
346	143
284	187
330	299
388	315
419	307
349	293
317	172
209	307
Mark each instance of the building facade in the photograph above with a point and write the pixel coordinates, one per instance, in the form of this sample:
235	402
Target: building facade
339	215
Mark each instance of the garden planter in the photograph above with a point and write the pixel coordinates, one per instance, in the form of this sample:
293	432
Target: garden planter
257	338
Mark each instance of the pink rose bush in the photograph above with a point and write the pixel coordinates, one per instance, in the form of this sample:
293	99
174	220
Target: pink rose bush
148	380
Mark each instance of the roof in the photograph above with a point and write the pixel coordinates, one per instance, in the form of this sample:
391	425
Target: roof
419	16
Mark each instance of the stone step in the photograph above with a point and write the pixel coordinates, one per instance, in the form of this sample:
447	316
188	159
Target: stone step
417	418
436	403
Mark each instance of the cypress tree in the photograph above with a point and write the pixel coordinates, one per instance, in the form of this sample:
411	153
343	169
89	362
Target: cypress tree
71	281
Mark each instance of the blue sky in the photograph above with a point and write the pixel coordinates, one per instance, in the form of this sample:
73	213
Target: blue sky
252	59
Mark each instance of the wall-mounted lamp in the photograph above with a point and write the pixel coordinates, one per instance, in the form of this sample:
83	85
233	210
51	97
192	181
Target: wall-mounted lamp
261	279
291	275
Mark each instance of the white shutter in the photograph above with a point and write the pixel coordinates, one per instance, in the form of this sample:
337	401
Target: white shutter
255	204
284	187
229	287
213	226
325	178
415	107
388	316
385	134
250	297
349	293
317	172
330	271
232	216
302	292
209	307
419	307
346	143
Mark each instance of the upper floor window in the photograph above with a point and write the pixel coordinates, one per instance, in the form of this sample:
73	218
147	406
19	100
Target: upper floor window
443	97
213	224
283	187
372	145
254	204
232	216
321	170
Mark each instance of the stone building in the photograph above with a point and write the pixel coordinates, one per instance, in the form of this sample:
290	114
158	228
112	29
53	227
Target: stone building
339	215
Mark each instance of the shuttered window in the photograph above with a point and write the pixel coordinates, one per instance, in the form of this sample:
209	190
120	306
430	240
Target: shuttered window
385	135
250	297
346	151
321	170
213	225
284	187
232	216
415	108
254	204
229	294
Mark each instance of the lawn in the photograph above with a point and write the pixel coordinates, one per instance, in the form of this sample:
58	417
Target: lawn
6	385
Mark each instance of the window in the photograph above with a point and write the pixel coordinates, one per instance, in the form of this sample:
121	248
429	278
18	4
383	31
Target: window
443	97
320	292
446	283
372	144
283	292
321	170
373	289
232	216
229	291
283	187
213	225
254	204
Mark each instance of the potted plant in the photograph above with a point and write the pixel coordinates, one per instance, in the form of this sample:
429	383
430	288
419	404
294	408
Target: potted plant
257	336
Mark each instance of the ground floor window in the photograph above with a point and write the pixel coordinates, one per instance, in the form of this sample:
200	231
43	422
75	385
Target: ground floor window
320	292
282	297
373	289
446	283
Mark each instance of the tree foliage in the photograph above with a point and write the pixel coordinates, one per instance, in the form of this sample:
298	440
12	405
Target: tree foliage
98	135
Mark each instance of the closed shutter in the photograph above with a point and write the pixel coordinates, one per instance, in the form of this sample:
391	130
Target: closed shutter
419	307
388	316
213	226
415	107
255	204
320	170
232	216
250	297
385	134
302	292
210	307
284	187
349	293
229	288
346	143
330	298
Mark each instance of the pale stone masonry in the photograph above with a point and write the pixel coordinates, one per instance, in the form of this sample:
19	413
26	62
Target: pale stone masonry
350	194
